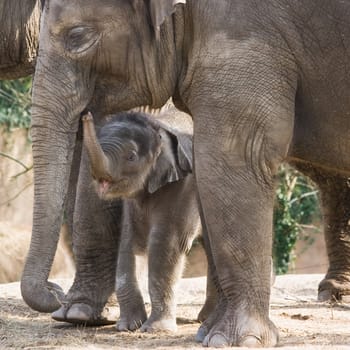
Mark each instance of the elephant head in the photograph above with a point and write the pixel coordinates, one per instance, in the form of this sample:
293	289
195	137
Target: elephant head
133	154
106	56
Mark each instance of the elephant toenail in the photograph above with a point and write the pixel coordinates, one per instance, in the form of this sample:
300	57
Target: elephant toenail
80	312
250	341
218	340
60	314
325	295
201	334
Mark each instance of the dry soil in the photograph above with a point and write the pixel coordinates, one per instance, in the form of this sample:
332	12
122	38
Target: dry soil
303	322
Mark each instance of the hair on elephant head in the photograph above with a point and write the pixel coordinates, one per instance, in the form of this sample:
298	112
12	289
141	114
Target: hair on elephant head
134	152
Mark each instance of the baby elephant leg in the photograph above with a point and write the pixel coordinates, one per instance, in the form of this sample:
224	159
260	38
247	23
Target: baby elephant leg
132	308
166	262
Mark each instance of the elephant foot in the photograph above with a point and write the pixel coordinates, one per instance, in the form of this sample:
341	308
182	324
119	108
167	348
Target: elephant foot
331	289
80	314
153	325
130	321
239	329
205	327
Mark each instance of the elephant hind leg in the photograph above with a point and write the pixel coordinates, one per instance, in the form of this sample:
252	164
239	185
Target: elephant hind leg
335	201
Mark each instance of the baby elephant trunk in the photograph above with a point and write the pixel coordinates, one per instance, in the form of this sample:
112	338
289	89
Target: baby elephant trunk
98	159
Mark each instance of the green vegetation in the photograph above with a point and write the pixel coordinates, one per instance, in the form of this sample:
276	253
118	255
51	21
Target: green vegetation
296	205
15	103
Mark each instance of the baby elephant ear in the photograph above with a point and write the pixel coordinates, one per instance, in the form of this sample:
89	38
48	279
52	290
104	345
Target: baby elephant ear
180	126
174	161
184	152
160	10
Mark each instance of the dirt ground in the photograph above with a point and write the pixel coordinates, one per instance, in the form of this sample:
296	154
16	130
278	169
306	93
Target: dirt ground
303	322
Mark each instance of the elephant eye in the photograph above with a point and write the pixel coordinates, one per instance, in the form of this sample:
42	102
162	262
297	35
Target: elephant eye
132	156
80	39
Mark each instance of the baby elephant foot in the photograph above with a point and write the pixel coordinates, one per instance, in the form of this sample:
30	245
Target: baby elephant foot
80	313
334	289
130	321
160	325
242	330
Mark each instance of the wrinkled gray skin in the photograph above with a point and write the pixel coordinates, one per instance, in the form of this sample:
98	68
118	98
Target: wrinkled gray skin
265	82
19	33
149	165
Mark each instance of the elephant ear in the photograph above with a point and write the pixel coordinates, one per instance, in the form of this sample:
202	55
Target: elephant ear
180	126
160	10
174	162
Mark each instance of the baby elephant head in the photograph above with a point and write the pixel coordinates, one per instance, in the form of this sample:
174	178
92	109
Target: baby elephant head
133	153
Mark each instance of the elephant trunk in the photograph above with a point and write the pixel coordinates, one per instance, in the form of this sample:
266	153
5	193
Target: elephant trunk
98	159
54	133
37	292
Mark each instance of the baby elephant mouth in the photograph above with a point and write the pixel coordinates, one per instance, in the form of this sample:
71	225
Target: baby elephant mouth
112	189
103	187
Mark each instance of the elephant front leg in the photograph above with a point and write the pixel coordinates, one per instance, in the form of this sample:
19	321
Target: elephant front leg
238	216
95	251
165	266
132	309
237	154
335	196
96	227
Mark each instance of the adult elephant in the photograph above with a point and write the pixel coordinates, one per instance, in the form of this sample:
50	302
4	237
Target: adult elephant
19	33
19	39
265	82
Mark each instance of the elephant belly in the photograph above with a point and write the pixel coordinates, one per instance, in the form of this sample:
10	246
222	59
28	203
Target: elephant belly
322	142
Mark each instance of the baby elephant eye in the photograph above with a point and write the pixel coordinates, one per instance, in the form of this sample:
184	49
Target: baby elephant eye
132	156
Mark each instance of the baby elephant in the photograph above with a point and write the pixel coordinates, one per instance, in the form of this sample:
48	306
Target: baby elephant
148	163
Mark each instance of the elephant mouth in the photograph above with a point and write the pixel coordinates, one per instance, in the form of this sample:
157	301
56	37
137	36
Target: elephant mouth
109	190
